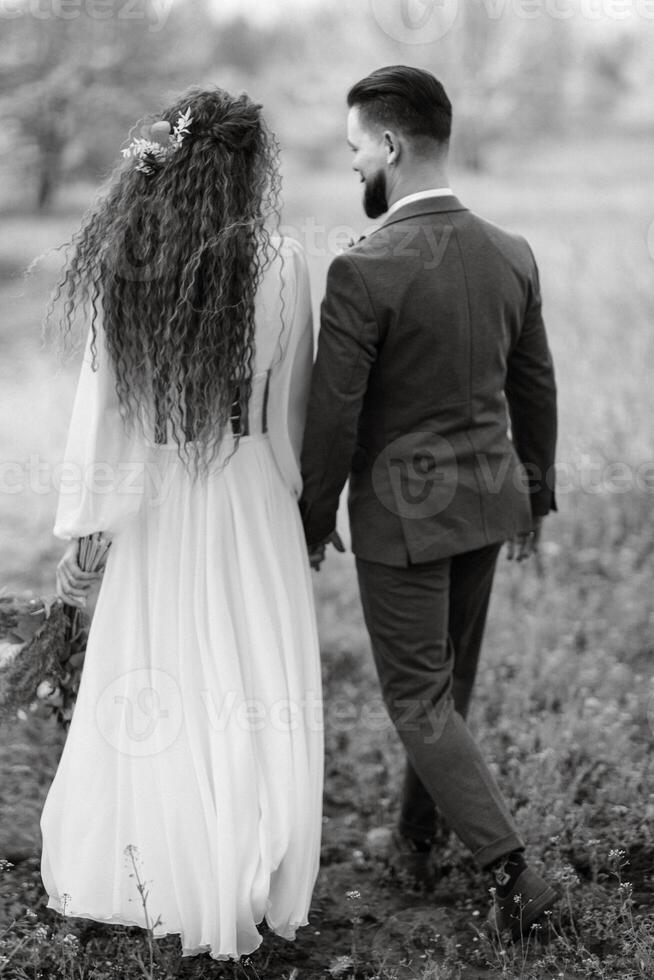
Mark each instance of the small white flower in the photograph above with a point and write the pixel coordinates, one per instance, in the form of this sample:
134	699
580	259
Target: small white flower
340	965
45	689
70	943
149	153
181	128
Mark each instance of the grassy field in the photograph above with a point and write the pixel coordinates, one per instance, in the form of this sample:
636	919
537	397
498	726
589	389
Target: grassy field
565	701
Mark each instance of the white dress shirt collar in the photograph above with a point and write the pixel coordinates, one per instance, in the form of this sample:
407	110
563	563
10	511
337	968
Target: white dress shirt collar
419	196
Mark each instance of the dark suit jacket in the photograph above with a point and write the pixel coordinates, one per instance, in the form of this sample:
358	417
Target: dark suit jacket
431	329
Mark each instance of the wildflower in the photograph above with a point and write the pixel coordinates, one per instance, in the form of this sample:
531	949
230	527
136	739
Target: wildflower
40	934
354	895
70	943
340	965
151	153
43	642
566	876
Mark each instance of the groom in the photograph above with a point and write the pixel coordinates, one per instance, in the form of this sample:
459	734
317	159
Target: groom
431	339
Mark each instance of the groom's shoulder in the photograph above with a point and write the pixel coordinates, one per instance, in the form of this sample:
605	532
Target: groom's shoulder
365	254
513	246
371	256
352	257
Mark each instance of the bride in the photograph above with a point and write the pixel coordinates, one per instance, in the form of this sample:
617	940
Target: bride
188	795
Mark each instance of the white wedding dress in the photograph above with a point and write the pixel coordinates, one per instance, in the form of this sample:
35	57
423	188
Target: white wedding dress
194	759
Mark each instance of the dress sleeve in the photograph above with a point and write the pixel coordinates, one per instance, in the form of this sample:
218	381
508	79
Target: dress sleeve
103	468
290	377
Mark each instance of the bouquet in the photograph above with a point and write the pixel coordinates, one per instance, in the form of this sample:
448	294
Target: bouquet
42	645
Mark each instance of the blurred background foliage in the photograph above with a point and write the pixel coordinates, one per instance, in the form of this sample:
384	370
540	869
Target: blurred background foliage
73	80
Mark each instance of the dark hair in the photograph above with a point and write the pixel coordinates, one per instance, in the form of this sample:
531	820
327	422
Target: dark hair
408	99
170	262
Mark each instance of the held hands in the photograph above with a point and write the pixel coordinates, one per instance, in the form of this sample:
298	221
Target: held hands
524	545
74	585
317	554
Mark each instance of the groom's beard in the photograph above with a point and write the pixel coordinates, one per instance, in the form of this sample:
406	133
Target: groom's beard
375	202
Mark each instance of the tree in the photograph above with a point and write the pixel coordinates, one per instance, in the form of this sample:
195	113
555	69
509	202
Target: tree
70	89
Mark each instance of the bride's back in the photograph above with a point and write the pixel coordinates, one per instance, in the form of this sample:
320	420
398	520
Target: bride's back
178	267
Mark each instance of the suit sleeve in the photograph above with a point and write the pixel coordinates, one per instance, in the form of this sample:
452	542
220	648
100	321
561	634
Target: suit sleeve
347	349
531	396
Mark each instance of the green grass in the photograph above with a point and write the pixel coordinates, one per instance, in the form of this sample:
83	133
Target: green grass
565	700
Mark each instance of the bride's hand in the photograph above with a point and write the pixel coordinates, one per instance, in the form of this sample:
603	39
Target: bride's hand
317	557
74	585
317	554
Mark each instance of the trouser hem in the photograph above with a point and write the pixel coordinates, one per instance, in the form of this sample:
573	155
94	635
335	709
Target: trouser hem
491	853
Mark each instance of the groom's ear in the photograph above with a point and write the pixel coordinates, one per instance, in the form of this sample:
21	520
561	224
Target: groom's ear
392	146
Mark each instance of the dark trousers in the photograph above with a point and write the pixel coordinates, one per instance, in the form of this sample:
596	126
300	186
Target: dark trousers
426	624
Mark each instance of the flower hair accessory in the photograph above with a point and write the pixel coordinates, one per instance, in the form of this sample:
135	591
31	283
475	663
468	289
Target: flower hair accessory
151	152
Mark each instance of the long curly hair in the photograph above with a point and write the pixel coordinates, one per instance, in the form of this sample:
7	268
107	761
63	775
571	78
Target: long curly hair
170	262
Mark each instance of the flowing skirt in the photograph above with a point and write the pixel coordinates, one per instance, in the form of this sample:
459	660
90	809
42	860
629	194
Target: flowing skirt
188	796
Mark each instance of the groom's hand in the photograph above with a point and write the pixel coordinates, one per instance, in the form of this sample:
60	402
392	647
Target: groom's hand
522	546
335	539
317	554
